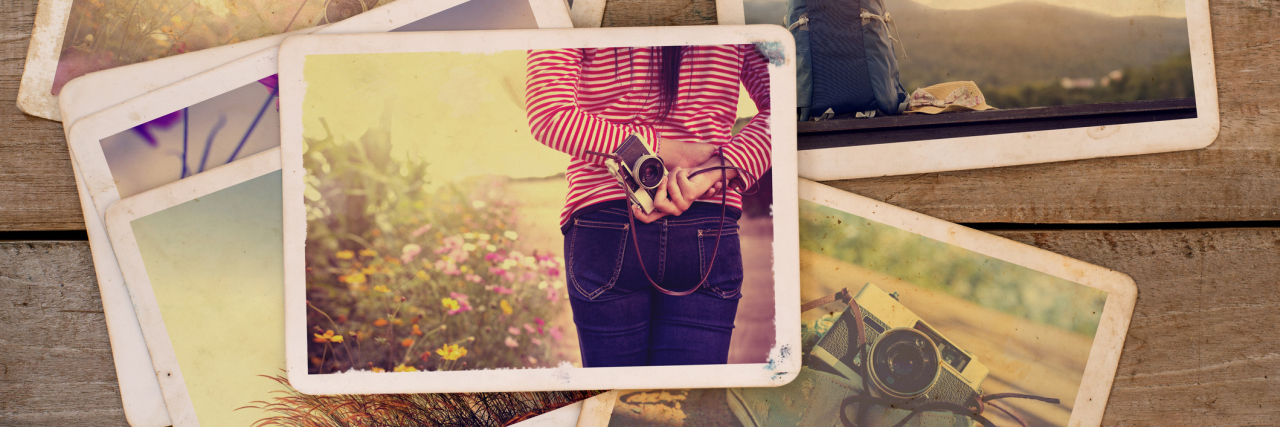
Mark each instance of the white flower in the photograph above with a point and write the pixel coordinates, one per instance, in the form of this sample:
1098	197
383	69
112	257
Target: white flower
557	284
510	235
468	247
508	263
542	285
490	248
469	236
483	236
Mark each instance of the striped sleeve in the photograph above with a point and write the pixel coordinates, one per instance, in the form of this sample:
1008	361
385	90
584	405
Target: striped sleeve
750	149
555	118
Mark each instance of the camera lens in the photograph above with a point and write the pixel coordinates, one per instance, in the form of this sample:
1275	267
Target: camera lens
904	363
650	172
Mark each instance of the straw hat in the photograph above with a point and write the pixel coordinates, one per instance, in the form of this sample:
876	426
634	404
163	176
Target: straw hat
946	98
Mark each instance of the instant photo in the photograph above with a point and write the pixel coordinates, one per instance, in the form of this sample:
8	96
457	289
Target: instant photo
935	85
911	319
203	262
524	211
198	124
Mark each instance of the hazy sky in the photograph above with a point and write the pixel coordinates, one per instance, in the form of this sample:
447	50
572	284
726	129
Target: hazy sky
216	268
1166	8
463	113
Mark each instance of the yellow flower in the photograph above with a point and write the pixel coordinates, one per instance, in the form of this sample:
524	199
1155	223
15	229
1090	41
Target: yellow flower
382	288
328	337
422	275
403	368
369	270
380	322
449	303
377	369
451	352
353	278
397	322
506	307
406	342
464	269
368	253
345	254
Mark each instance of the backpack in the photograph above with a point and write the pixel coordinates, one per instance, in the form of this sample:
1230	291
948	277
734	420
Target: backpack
846	61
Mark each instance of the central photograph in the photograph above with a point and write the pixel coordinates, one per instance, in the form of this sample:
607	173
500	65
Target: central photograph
539	210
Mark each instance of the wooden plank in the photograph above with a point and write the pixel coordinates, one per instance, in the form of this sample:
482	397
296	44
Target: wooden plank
1238	178
1197	352
55	359
1200	349
1235	179
38	191
650	13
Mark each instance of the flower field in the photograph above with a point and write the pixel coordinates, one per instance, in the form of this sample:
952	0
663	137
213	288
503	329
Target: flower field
404	276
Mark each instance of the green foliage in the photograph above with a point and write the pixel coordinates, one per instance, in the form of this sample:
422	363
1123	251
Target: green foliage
1167	80
928	263
404	277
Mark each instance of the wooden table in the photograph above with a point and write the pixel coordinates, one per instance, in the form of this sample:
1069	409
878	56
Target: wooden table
1199	231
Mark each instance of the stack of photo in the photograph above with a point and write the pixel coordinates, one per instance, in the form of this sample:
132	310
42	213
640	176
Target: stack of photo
472	213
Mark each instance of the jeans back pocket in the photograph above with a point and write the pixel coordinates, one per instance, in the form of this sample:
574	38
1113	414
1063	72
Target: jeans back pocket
595	250
726	270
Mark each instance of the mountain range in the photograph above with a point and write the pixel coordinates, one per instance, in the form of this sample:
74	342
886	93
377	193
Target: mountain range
1015	44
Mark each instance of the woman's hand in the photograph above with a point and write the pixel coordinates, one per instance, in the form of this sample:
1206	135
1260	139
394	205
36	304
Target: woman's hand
677	154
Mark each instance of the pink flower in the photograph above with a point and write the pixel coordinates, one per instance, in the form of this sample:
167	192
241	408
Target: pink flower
409	252
511	343
463	305
529	328
473	278
535	341
540	324
552	295
553	272
494	257
422	230
556	334
513	330
503	290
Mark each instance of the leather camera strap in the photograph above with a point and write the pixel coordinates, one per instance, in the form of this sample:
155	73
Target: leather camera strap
724	210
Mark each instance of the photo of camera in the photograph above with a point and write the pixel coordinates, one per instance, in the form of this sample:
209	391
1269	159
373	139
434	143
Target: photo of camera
908	359
639	171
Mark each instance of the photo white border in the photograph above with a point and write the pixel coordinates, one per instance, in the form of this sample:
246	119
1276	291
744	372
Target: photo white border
988	151
178	82
590	13
1122	293
119	219
783	363
113	86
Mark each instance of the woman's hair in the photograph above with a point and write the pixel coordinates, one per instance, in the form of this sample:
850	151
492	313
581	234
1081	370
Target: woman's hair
668	79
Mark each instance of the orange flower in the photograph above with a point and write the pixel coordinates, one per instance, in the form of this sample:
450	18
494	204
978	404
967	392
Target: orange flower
353	278
407	342
327	337
382	288
377	369
345	254
380	322
417	331
368	253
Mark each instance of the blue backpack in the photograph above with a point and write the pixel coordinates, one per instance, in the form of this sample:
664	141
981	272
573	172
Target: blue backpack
846	61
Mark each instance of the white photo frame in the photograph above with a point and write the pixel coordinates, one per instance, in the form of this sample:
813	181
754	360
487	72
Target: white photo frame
1103	355
1010	149
143	92
112	86
782	364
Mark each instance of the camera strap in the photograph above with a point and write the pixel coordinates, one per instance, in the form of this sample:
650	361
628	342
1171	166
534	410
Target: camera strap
864	401
724	210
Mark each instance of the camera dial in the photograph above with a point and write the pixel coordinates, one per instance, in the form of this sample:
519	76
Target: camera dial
904	363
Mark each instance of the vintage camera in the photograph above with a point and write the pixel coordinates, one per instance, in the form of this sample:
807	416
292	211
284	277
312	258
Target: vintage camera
908	359
638	170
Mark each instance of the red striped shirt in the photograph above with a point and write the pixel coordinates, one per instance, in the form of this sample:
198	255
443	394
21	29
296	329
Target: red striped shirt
593	99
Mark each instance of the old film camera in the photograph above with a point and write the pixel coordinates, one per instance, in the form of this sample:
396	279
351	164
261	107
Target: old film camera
904	358
637	169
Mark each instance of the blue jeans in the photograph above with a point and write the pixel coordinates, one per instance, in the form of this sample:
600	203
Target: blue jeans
622	320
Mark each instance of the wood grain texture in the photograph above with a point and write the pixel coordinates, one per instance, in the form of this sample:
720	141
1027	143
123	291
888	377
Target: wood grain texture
1201	348
55	359
650	13
37	190
1235	179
